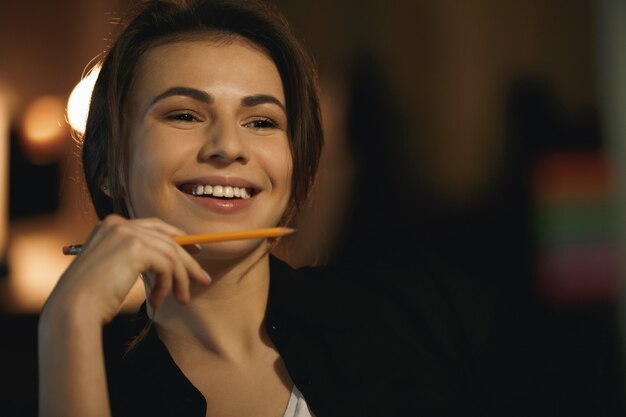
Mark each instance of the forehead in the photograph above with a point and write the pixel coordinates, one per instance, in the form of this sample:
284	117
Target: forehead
207	63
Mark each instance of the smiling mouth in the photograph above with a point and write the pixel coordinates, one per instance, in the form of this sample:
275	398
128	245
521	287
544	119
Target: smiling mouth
218	191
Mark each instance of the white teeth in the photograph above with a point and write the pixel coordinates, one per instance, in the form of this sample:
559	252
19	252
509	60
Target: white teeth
218	191
224	191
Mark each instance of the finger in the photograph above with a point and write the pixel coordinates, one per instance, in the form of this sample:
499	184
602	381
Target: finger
157	252
175	252
180	276
160	226
162	286
165	268
192	249
183	266
102	229
180	284
195	271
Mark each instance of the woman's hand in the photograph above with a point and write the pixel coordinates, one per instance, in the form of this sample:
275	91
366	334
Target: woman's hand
72	376
116	253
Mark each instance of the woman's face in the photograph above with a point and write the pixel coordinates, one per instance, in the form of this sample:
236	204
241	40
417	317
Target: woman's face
208	143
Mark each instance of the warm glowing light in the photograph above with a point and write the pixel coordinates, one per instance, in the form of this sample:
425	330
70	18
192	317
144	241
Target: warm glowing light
78	103
4	174
44	121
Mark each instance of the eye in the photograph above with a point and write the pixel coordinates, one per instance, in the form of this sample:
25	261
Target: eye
182	117
262	123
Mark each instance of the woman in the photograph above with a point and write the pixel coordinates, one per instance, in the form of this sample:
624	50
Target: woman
205	118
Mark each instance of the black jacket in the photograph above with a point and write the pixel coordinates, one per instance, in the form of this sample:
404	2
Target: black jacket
350	349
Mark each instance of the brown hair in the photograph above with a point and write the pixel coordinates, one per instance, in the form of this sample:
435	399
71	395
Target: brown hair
104	156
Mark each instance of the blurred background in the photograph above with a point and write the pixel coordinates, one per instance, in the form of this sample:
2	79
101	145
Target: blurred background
489	134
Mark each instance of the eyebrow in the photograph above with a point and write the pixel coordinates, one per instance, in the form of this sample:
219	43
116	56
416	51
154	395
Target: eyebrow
255	100
183	91
204	97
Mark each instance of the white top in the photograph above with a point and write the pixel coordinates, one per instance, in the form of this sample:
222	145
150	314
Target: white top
297	407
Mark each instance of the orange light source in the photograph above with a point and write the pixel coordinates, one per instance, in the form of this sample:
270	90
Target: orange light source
44	130
4	174
44	120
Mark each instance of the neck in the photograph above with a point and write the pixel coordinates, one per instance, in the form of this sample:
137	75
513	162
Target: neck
225	318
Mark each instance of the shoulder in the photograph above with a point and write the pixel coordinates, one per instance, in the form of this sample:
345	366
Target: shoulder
332	297
431	296
368	337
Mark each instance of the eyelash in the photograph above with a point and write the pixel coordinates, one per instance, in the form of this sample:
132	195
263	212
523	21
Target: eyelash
267	124
182	117
188	117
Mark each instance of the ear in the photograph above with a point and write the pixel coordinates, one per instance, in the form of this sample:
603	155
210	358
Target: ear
104	187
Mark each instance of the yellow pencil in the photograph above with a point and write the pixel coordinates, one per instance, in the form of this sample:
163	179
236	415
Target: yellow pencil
211	237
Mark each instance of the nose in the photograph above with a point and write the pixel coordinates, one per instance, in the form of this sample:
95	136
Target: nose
224	144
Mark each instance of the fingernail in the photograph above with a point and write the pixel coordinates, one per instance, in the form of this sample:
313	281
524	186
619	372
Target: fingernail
207	277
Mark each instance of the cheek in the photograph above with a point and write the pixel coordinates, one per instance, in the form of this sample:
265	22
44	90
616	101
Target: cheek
141	176
289	173
282	166
153	156
144	166
149	168
274	158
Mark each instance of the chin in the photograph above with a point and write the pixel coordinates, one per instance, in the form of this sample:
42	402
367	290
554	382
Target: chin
235	251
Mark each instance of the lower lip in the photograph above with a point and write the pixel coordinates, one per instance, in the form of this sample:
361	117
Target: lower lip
221	206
